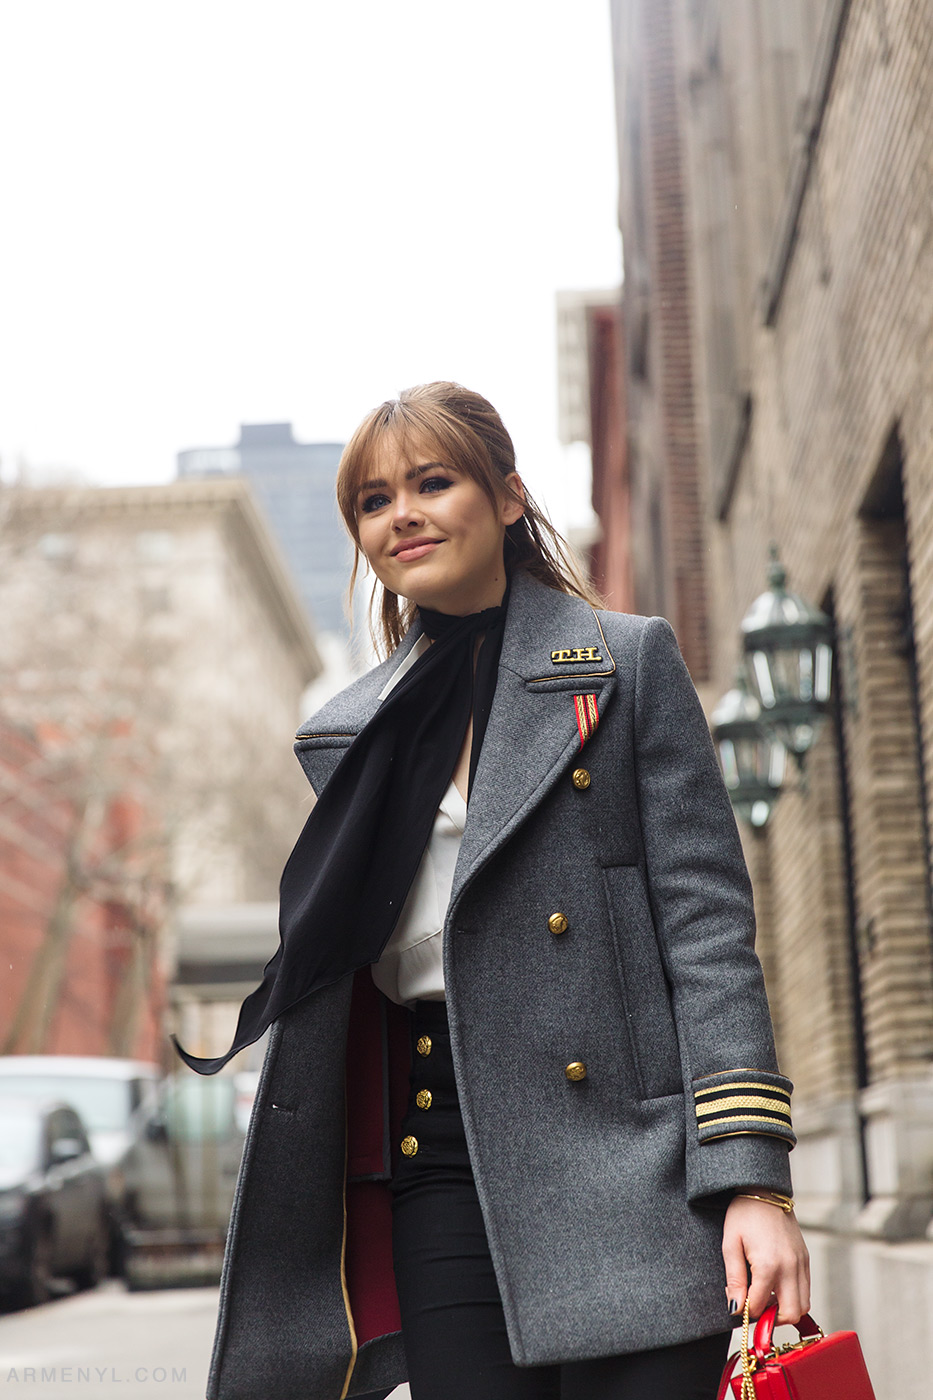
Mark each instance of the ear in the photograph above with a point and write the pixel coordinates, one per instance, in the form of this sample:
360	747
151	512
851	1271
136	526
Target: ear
512	507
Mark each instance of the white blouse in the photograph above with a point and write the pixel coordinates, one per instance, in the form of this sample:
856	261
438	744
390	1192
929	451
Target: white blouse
412	963
411	967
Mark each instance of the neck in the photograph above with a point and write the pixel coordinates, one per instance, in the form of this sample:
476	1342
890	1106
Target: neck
464	605
437	622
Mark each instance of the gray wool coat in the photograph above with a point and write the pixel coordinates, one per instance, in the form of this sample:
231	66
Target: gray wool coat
603	1197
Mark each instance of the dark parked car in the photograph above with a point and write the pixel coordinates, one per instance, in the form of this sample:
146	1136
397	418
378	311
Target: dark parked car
115	1099
53	1218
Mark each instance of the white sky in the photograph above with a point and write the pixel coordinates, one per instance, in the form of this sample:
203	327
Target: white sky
228	212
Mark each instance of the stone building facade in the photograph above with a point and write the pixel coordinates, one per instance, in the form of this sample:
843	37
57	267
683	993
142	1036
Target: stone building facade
776	203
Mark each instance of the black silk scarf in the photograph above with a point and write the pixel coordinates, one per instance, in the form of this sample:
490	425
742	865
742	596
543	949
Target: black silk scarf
345	882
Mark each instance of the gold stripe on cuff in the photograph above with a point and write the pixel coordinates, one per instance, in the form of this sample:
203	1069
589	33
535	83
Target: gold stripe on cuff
775	1124
741	1101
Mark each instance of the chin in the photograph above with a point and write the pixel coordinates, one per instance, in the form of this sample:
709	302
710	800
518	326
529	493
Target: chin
429	592
435	588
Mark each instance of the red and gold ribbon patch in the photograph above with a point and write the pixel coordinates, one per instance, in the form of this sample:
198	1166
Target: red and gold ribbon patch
587	716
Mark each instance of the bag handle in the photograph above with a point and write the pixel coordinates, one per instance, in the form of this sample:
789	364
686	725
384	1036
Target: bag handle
758	1348
764	1330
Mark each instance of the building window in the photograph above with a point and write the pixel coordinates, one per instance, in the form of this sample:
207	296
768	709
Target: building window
155	546
57	546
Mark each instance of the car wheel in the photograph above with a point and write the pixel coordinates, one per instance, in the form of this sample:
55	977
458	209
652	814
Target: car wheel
116	1249
36	1287
94	1268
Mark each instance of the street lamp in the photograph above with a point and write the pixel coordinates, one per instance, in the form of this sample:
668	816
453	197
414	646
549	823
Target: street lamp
752	761
788	650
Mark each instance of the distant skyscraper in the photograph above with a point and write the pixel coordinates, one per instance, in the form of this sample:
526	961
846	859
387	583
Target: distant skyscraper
294	484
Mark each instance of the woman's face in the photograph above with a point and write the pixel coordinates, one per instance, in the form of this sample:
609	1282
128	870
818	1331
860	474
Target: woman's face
431	534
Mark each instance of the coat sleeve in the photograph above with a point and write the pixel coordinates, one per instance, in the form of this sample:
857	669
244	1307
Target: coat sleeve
737	1104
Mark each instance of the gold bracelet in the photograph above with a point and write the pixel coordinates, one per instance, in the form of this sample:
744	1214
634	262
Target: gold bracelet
773	1198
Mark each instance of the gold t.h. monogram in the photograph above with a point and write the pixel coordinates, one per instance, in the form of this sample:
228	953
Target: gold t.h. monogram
575	654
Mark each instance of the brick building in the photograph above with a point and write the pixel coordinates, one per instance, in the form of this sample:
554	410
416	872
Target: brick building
154	653
591	410
104	989
776	203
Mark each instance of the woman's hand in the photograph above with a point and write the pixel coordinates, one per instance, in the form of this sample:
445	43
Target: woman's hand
770	1240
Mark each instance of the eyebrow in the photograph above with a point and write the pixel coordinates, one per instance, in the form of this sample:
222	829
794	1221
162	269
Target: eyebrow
380	482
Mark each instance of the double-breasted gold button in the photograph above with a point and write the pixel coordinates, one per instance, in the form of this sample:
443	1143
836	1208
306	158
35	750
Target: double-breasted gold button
409	1146
424	1098
424	1045
581	779
558	923
575	1071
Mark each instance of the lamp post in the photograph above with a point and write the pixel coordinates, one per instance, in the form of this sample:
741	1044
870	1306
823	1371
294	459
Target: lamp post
752	761
788	650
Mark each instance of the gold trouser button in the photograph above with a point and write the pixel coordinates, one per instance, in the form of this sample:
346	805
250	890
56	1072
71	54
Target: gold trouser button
409	1146
424	1098
581	779
424	1045
575	1071
558	923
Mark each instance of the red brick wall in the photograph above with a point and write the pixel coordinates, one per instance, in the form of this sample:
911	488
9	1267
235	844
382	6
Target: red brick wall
611	556
37	824
666	441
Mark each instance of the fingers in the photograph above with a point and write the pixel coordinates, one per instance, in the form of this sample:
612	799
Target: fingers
759	1293
733	1256
779	1285
804	1281
793	1290
792	1287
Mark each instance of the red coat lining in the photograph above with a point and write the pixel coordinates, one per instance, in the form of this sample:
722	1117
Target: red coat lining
378	1068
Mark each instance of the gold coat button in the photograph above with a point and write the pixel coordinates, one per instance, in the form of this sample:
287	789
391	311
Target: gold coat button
424	1098
424	1045
581	779
558	923
409	1146
575	1071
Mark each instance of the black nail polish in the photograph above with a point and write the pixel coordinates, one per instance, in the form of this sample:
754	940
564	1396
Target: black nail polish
733	1306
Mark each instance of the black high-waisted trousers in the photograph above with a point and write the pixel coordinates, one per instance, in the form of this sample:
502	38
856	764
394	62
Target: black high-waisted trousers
452	1320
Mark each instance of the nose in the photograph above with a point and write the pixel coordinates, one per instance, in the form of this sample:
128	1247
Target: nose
406	511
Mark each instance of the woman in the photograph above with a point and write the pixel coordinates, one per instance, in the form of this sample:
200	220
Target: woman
520	1131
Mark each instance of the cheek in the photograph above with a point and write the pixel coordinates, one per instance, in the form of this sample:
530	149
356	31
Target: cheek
369	536
369	527
474	518
481	524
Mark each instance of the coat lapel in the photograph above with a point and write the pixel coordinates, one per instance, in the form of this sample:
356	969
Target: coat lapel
533	729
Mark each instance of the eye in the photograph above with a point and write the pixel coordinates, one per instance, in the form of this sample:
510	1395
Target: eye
374	502
436	483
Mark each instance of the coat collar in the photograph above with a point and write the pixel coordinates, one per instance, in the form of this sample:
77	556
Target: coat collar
552	636
540	622
533	731
553	648
345	714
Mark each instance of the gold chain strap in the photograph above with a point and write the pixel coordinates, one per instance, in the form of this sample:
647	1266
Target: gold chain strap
748	1385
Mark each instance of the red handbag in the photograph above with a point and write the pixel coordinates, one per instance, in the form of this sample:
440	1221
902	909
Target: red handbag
815	1368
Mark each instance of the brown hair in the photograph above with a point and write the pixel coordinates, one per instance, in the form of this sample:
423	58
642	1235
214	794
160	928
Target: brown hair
464	428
